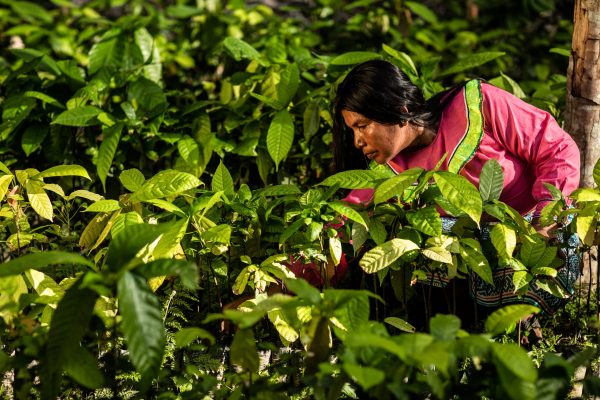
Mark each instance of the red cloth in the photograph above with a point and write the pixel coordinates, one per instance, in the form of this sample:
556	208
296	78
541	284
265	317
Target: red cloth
527	142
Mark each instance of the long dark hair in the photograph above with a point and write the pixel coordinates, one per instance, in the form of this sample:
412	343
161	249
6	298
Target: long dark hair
380	91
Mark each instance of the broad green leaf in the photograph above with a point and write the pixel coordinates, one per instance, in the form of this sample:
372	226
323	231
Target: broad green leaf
347	211
218	234
359	236
477	262
407	64
396	185
83	368
132	179
150	54
5	181
149	97
512	86
504	239
241	282
531	252
166	183
106	153
222	180
187	271
189	150
335	250
38	199
291	229
280	136
107	52
438	254
547	271
167	206
304	290
444	327
42	260
106	230
521	279
354	57
54	188
141	325
422	11
241	50
382	256
377	231
80	116
4	168
400	324
67	328
586	194
104	206
243	350
186	336
354	179
44	98
32	138
92	230
285	330
63	170
491	181
281	190
503	318
516	360
31	12
122	221
311	119
366	377
288	85
585	224
460	193
471	61
426	220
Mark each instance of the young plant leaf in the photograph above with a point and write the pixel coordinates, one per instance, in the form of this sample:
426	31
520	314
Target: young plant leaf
354	57
40	261
280	136
491	181
347	211
38	199
460	193
222	181
396	185
426	220
382	256
107	151
354	179
166	183
141	325
504	239
80	116
500	320
471	61
63	170
132	179
243	350
104	206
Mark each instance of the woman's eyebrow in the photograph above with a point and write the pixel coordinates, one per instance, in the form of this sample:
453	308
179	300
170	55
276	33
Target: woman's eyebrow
360	121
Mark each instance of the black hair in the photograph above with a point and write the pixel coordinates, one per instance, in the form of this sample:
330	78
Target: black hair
380	91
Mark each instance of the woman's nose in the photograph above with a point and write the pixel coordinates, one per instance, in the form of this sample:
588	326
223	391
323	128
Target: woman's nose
358	141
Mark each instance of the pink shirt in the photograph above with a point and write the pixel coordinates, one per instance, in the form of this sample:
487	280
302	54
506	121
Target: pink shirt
526	141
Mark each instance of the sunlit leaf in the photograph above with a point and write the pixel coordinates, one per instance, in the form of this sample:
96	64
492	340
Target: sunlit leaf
491	181
354	57
107	151
503	318
165	183
80	116
38	199
382	256
460	193
280	136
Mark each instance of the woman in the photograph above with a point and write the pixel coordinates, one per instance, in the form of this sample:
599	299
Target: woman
381	116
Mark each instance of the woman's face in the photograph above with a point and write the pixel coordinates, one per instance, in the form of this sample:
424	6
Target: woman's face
377	141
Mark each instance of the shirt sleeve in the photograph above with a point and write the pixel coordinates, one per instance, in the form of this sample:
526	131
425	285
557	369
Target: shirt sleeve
533	135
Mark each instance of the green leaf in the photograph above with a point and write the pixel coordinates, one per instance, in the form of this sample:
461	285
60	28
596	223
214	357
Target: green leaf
354	57
288	85
187	271
476	261
106	153
141	325
503	318
32	138
304	290
80	116
149	96
280	136
512	364
5	181
382	256
38	199
239	50
83	368
311	119
444	327
471	61
504	239
222	181
531	252
186	336
354	179
125	220
40	261
104	206
596	173
438	254
396	185
63	170
243	350
218	234
67	328
335	250
366	377
166	183
400	324
422	11
132	179
31	12
359	236
377	231
347	211
491	181
189	150
521	279
44	98
406	63
281	190
460	193
426	220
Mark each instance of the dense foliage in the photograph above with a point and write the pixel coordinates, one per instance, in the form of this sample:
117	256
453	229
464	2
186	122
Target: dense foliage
165	162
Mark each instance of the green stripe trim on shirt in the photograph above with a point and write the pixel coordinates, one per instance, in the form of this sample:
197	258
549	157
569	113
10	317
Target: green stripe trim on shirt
474	131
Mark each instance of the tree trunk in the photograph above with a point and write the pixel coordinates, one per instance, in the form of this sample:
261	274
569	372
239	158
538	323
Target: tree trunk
582	119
